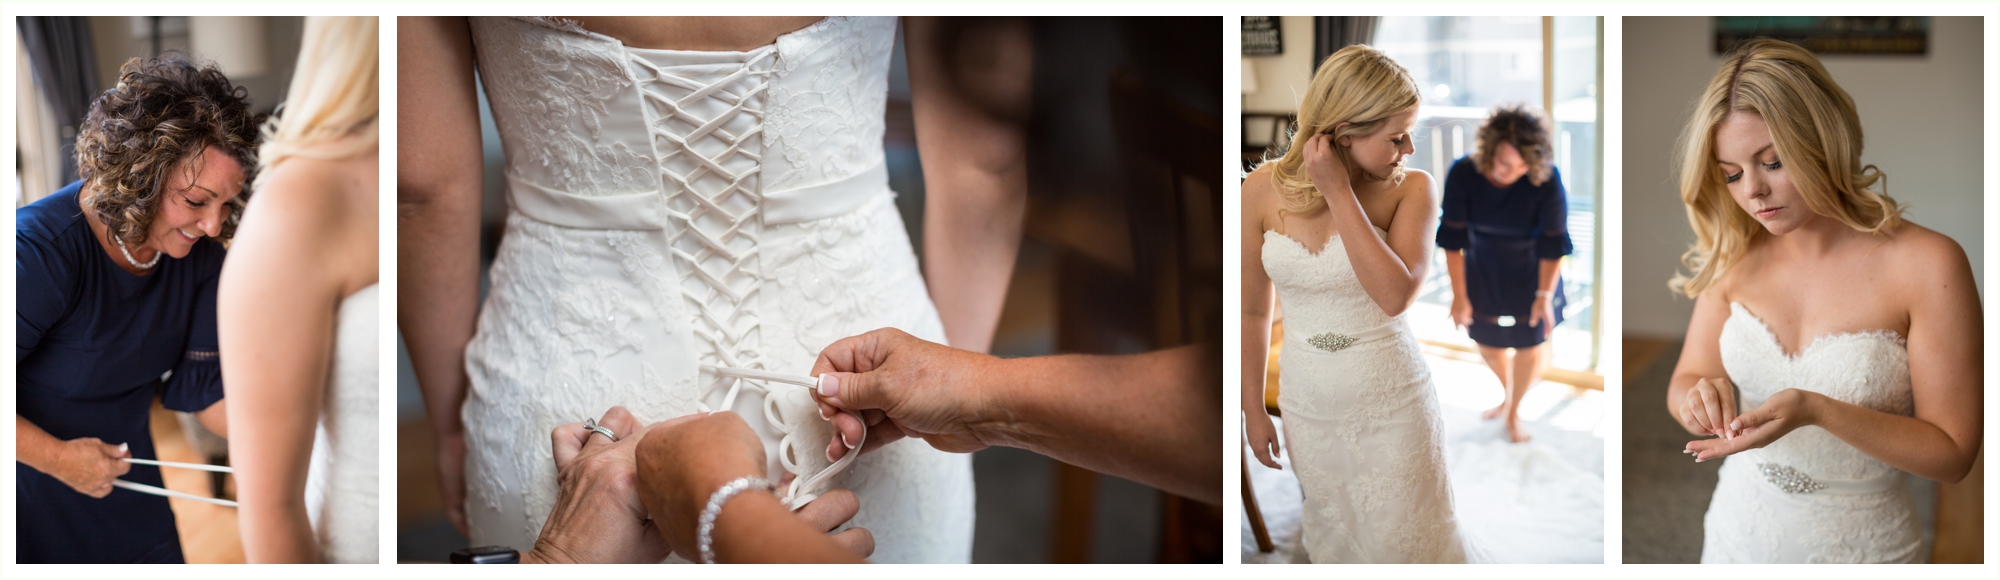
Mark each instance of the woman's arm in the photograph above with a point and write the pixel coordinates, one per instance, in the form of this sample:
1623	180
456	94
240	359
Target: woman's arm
682	462
437	227
289	267
1143	417
85	464
1258	297
970	101
1390	269
1699	371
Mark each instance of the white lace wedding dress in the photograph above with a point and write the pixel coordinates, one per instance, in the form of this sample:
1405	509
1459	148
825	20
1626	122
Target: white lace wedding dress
341	480
671	210
1809	497
1361	415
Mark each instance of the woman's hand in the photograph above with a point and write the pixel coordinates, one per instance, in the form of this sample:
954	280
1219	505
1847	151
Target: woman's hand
902	386
1263	438
88	465
684	460
1787	410
451	479
1543	313
1329	175
1710	408
598	517
1461	312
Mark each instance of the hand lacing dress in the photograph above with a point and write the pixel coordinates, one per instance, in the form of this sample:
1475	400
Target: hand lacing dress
676	210
1810	497
1362	417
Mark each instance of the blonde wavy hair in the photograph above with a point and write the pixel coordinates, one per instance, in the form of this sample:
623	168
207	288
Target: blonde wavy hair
1357	85
331	107
1816	134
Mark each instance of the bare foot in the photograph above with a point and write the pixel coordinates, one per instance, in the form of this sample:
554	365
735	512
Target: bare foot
1516	431
1494	413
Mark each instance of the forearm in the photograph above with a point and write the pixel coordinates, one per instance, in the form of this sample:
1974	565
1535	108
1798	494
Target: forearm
277	530
1256	359
1454	267
970	114
1907	443
33	446
754	528
1149	418
215	418
1545	282
1390	282
437	217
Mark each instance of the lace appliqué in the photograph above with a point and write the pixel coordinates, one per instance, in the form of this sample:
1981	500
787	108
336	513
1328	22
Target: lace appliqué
824	106
552	97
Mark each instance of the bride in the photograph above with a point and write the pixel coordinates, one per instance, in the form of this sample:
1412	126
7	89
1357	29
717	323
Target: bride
691	201
1834	345
1342	232
296	313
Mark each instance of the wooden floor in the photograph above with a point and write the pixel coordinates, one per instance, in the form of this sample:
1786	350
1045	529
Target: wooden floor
208	531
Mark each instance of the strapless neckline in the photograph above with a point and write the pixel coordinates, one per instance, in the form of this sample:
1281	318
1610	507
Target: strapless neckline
1322	248
1890	336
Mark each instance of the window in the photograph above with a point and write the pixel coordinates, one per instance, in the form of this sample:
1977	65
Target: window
1466	66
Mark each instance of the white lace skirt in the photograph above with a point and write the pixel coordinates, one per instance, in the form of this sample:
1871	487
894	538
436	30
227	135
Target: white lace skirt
1367	442
579	320
1751	521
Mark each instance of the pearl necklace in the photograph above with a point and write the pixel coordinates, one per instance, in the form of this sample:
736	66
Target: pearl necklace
128	256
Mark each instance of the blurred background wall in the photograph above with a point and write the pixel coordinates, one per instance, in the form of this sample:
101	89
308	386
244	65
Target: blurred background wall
1121	253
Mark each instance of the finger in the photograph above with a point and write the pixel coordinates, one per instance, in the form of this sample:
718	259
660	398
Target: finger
621	422
1706	449
1264	454
1711	409
852	391
857	540
1699	410
1727	394
830	510
120	467
565	442
855	354
825	411
883	433
1754	418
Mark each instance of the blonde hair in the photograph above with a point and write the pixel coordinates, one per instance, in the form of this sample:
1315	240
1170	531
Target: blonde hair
1816	134
331	106
1357	85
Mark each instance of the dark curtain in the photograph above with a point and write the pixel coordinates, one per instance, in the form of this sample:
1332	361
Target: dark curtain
1332	33
65	66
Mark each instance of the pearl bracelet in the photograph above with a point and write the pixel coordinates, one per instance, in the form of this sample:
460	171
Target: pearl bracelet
706	530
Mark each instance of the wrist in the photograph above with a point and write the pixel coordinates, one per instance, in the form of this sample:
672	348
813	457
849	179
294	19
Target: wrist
1812	407
1003	409
546	552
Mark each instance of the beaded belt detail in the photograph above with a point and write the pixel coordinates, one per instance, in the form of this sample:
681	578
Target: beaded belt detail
1335	342
1789	480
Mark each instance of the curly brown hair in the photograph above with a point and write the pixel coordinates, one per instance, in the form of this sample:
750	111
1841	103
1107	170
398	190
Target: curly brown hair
1526	130
164	113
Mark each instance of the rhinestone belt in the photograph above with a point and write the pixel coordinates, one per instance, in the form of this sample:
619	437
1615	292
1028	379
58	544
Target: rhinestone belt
1335	341
1788	479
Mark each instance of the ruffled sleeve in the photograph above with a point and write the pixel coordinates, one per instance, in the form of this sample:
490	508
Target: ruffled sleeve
1451	227
196	382
1554	243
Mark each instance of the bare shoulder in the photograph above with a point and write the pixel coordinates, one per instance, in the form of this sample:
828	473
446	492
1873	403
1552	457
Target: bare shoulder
1260	195
1418	183
1925	257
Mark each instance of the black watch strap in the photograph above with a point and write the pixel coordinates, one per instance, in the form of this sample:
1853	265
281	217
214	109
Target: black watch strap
486	555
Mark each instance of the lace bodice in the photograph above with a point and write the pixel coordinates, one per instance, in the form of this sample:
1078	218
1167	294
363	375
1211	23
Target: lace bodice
566	95
1870	369
1320	290
679	219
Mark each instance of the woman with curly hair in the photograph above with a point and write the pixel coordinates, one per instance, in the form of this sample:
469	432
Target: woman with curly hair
115	277
1835	345
1504	236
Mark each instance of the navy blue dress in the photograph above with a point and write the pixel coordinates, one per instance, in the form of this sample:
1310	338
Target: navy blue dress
93	340
1505	232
